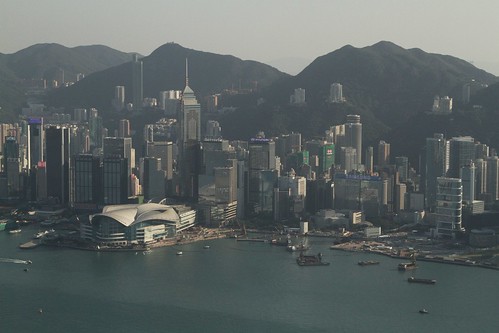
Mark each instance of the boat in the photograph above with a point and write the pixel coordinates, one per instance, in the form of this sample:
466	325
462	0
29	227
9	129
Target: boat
206	247
293	248
42	233
423	311
307	260
3	223
368	262
412	279
179	253
15	231
405	266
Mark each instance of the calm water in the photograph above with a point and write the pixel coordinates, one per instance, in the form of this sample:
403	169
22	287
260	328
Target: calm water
235	287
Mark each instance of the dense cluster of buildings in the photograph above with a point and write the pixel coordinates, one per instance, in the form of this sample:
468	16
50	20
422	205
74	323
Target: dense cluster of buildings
199	177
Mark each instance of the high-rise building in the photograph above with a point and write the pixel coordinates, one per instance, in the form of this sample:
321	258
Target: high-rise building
383	154
492	172
461	152
137	83
261	158
87	181
162	150
120	148
36	139
124	128
336	93
353	136
468	179
369	160
58	163
348	159
449	206
189	141
153	183
402	165
298	97
226	184
435	167
326	159
119	97
115	180
213	129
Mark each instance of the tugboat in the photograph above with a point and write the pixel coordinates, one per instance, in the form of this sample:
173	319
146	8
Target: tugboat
405	266
304	260
423	311
179	253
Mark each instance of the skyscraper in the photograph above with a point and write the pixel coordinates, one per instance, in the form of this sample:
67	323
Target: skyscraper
461	152
449	206
119	97
383	154
189	141
58	162
353	136
35	141
124	128
435	167
336	93
137	83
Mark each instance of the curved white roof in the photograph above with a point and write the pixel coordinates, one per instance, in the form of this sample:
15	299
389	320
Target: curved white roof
136	213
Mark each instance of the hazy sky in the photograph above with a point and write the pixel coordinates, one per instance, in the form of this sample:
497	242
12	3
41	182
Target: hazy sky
271	31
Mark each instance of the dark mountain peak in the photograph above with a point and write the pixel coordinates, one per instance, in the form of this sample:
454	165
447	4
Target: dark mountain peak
385	46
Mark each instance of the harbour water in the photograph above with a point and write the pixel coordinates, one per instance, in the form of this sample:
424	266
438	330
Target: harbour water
235	287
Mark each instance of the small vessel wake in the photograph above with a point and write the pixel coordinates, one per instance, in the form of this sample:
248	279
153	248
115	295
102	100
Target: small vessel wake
15	261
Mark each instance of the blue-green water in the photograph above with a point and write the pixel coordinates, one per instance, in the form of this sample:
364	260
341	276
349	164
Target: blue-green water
235	287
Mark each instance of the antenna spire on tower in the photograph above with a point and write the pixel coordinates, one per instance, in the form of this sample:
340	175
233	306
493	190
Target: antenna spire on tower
186	72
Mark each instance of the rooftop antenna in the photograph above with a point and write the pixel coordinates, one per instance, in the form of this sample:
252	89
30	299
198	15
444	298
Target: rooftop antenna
186	72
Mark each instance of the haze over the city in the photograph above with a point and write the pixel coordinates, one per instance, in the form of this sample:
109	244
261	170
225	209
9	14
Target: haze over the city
285	34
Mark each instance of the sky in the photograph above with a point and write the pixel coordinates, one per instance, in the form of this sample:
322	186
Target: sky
288	34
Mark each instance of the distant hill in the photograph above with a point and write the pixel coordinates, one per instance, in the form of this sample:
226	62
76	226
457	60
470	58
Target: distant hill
164	69
384	83
44	61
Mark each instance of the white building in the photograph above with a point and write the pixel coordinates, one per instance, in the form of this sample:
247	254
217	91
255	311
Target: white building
298	97
449	206
336	93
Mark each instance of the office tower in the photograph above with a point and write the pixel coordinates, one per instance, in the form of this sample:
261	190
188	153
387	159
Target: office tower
87	181
153	183
58	162
369	160
326	159
466	93
41	181
124	128
336	93
435	166
481	151
35	141
298	97
189	141
213	129
162	150
12	166
353	136
402	165
122	148
80	115
162	98
261	157
95	128
461	152
481	178
383	154
114	181
348	159
468	179
400	191
119	96
137	83
212	103
449	206
226	184
492	185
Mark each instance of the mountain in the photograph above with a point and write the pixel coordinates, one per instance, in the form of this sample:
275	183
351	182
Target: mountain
384	83
164	69
45	60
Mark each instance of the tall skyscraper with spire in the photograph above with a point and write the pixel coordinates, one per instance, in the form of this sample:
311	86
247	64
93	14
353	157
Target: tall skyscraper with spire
137	83
189	140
